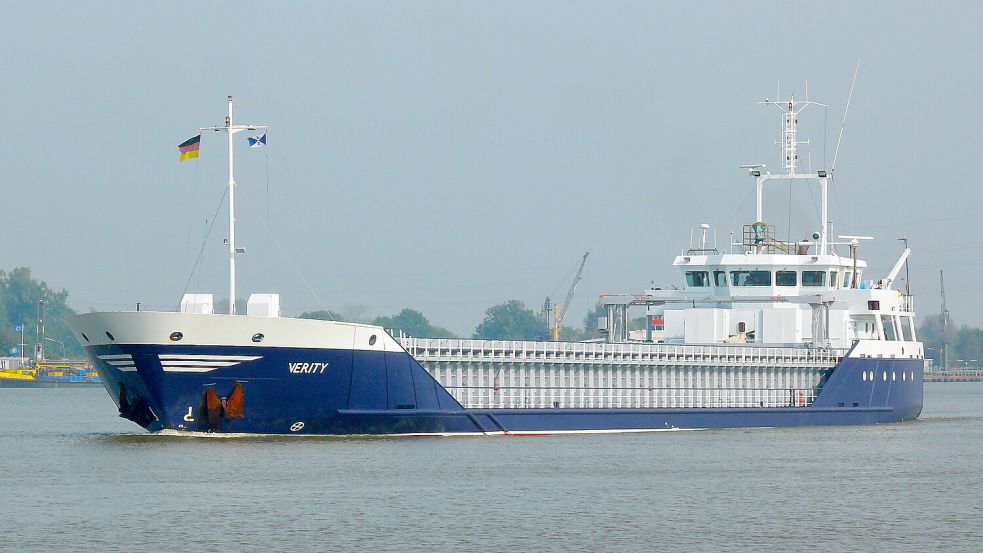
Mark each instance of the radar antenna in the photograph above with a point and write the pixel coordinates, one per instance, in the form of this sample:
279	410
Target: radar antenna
789	145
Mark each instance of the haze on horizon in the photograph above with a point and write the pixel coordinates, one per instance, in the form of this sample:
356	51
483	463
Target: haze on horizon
451	156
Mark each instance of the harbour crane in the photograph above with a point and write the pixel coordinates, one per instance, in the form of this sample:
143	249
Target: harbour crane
559	316
944	358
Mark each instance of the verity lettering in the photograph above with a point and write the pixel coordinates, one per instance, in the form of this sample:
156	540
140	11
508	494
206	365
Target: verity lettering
307	368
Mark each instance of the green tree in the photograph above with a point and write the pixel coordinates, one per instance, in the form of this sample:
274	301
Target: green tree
413	323
511	320
590	322
968	345
570	334
325	315
20	295
930	334
8	336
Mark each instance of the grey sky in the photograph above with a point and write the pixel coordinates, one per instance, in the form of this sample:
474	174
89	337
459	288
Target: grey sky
449	156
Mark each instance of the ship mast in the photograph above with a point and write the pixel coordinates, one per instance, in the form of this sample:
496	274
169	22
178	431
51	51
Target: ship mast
232	129
789	146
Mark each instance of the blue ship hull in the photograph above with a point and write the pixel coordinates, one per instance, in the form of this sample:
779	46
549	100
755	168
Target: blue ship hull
385	393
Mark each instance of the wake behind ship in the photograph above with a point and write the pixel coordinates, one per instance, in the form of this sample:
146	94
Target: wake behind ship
768	333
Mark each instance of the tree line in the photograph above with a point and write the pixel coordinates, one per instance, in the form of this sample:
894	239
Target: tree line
965	342
510	320
21	293
20	299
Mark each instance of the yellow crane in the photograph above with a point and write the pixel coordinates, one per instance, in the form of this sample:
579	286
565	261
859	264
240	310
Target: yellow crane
558	313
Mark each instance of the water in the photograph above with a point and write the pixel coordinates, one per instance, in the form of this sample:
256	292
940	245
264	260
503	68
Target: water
75	477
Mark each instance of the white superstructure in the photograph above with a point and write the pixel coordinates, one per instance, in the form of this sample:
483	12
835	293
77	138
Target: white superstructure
773	292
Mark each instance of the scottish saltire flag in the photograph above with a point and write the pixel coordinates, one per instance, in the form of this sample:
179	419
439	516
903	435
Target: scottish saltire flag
257	141
14	350
189	148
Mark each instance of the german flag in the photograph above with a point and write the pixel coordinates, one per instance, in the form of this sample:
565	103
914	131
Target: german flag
189	148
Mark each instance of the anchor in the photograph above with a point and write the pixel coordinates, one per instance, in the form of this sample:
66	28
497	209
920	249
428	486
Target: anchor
215	409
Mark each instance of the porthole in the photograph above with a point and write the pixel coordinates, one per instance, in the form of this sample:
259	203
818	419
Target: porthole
904	376
885	376
372	340
258	337
865	376
110	336
871	376
912	375
84	336
894	376
176	336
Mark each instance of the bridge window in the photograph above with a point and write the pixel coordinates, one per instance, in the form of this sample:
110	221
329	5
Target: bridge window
720	279
750	278
888	323
697	279
813	278
785	278
846	280
833	282
906	329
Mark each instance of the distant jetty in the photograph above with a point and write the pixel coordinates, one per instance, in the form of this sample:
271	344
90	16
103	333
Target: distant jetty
961	374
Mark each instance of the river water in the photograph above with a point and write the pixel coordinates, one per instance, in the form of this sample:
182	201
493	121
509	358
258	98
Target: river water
77	478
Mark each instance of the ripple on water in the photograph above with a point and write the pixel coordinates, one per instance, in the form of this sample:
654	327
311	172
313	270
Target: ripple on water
87	480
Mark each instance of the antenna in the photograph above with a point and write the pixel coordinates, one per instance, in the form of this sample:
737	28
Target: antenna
789	145
854	242
907	275
849	99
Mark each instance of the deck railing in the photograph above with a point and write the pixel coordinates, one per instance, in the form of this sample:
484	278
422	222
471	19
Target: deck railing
446	349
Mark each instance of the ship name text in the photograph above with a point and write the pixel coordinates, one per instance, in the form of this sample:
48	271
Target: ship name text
307	368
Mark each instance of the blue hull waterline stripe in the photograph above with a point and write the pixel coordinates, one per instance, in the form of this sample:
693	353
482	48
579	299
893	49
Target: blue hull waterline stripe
219	389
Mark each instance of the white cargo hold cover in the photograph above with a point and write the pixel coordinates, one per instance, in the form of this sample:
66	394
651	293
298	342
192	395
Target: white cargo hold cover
263	305
197	303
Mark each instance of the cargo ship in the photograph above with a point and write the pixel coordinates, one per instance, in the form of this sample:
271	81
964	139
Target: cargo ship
762	333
